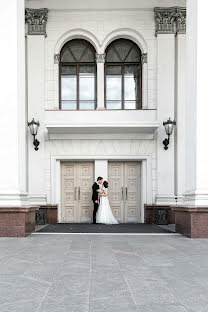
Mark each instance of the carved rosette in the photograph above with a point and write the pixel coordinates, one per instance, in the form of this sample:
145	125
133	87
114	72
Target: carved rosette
100	58
170	20
37	20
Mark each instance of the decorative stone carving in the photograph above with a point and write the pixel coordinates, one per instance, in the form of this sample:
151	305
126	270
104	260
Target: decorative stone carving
56	58
170	20
161	216
144	58
100	58
41	216
36	19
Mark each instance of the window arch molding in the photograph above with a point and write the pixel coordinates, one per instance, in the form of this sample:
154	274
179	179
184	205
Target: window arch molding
74	34
125	33
77	76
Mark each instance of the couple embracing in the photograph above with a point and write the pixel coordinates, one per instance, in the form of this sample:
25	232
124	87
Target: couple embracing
102	212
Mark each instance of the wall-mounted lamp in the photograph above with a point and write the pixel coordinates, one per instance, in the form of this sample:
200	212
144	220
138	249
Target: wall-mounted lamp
169	125
33	125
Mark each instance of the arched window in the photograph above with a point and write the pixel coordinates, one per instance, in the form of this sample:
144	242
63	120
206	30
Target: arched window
123	75
77	75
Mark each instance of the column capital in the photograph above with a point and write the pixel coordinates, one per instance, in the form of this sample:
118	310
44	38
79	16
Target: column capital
100	58
56	58
144	58
170	20
36	19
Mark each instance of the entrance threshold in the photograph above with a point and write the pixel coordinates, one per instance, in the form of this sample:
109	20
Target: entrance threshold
94	229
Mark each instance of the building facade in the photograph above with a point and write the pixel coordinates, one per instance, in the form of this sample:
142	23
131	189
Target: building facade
101	78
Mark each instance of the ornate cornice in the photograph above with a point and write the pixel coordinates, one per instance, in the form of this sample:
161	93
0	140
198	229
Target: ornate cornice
56	58
36	19
170	20
100	58
144	58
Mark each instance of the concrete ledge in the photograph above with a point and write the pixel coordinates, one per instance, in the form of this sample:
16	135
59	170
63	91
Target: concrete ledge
150	213
52	213
191	221
17	221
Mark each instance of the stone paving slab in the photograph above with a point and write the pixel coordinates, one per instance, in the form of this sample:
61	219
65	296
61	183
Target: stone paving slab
85	273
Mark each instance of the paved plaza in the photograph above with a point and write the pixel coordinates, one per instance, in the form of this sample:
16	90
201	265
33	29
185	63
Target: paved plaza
97	273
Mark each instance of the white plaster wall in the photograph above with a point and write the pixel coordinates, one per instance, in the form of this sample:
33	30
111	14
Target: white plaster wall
100	22
101	169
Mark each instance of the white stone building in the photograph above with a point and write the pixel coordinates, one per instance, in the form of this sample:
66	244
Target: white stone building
101	78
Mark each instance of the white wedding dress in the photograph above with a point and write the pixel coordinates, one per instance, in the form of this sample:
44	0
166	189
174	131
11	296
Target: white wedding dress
104	214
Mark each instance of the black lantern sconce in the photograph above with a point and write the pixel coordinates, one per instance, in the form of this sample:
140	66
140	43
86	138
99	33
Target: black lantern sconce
169	125
33	125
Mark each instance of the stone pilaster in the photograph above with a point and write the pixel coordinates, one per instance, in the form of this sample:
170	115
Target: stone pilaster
196	182
36	19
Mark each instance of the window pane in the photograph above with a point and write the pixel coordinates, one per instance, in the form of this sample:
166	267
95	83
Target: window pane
130	89
123	50
86	68
86	105
66	55
112	56
89	56
123	47
68	88
132	69
86	87
69	105
77	47
113	70
113	88
131	82
129	105
68	69
134	55
113	104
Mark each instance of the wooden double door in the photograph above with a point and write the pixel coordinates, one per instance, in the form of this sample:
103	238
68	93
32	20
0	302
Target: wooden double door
125	190
76	188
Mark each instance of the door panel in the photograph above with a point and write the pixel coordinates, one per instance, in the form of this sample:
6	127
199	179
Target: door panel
124	190
68	191
76	189
116	175
132	184
85	191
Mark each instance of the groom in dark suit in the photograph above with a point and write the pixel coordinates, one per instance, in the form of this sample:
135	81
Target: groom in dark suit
95	189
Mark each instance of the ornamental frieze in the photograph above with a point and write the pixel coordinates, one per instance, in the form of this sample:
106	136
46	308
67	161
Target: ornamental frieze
37	20
170	20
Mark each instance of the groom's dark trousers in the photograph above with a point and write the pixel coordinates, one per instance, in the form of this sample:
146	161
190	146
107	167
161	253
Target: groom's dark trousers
95	187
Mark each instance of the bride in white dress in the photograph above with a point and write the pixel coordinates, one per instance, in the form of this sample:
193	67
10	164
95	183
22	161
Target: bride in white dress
104	214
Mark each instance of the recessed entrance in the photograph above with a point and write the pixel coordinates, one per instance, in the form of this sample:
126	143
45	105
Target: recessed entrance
76	191
125	190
